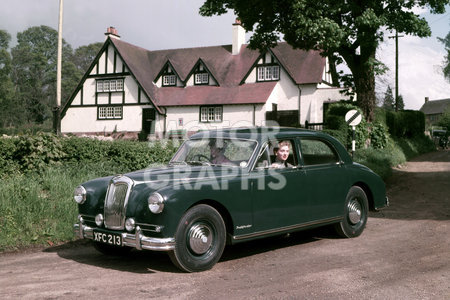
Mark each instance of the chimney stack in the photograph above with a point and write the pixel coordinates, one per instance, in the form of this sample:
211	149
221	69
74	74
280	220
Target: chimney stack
112	32
427	99
238	37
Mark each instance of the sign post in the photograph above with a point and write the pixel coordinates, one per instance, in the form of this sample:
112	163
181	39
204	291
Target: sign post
353	118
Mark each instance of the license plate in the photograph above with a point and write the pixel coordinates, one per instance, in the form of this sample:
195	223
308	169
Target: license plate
108	238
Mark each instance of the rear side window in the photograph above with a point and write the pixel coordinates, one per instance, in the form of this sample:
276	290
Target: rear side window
317	152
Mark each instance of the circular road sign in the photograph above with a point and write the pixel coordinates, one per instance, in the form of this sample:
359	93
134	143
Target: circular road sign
353	117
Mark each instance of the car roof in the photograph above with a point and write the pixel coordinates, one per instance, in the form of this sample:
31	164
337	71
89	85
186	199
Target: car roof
254	133
265	133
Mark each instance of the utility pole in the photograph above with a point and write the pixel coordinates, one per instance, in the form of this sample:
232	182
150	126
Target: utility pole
396	67
57	108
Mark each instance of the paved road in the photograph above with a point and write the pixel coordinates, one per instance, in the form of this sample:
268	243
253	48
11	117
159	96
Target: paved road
404	253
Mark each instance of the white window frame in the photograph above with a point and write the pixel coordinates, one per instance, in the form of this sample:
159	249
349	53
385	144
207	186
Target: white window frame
201	78
100	86
119	85
110	112
109	85
268	73
169	80
211	114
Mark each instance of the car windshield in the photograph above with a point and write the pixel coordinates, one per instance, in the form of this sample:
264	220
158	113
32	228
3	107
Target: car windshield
215	151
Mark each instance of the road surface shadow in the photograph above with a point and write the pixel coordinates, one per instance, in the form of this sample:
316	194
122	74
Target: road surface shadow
147	262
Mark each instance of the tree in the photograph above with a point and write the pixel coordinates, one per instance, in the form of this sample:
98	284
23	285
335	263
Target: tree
85	55
7	105
348	29
34	71
446	68
388	101
400	103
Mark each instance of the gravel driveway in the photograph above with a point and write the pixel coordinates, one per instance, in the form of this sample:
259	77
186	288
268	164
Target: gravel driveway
404	253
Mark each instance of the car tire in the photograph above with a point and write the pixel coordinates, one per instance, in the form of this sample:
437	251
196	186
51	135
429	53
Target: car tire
111	250
199	239
355	215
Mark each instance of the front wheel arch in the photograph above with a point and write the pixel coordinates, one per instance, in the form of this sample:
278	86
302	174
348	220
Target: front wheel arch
369	194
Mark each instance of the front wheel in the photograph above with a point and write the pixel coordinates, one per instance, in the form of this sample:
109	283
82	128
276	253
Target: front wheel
355	215
199	239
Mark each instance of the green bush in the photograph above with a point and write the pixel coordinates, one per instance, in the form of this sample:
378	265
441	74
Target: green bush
405	124
378	136
381	161
340	135
415	146
33	153
37	151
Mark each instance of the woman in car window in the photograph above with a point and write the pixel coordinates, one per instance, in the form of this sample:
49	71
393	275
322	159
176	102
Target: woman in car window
281	155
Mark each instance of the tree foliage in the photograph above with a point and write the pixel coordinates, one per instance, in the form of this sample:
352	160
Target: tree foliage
28	74
444	120
85	55
388	101
34	70
446	67
348	29
6	85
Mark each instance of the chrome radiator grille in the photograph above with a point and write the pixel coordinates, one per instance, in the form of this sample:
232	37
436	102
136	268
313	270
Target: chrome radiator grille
116	202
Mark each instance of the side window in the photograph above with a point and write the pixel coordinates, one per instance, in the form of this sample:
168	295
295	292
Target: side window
282	154
317	152
263	159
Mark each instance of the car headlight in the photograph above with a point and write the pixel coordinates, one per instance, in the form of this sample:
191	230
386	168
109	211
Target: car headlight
79	195
156	203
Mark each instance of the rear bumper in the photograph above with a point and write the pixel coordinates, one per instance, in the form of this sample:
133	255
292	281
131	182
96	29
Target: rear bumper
136	240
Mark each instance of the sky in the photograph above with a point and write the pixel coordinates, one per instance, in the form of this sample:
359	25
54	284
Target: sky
172	24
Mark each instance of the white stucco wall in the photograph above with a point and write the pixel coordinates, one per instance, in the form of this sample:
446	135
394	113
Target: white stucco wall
312	99
84	120
233	116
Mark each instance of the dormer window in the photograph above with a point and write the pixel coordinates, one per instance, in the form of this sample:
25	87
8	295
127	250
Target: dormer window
168	76
268	73
201	76
169	80
267	68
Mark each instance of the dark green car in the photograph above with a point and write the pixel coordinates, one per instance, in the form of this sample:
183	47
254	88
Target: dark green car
229	186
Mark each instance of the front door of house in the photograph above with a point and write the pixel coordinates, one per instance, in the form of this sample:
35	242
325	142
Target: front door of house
148	120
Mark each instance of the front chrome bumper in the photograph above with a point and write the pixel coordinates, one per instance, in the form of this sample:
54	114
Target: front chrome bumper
136	240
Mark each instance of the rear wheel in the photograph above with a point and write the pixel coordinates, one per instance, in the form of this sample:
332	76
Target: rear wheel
199	239
356	213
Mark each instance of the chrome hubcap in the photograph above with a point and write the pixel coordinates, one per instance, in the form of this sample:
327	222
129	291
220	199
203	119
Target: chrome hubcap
354	211
200	238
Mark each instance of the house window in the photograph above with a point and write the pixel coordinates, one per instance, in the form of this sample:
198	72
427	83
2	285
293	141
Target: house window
109	112
109	85
268	73
169	80
209	114
202	78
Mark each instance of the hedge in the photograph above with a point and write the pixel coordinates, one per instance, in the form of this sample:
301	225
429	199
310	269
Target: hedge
34	152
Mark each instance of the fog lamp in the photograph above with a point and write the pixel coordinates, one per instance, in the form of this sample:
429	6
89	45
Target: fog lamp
130	224
99	220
